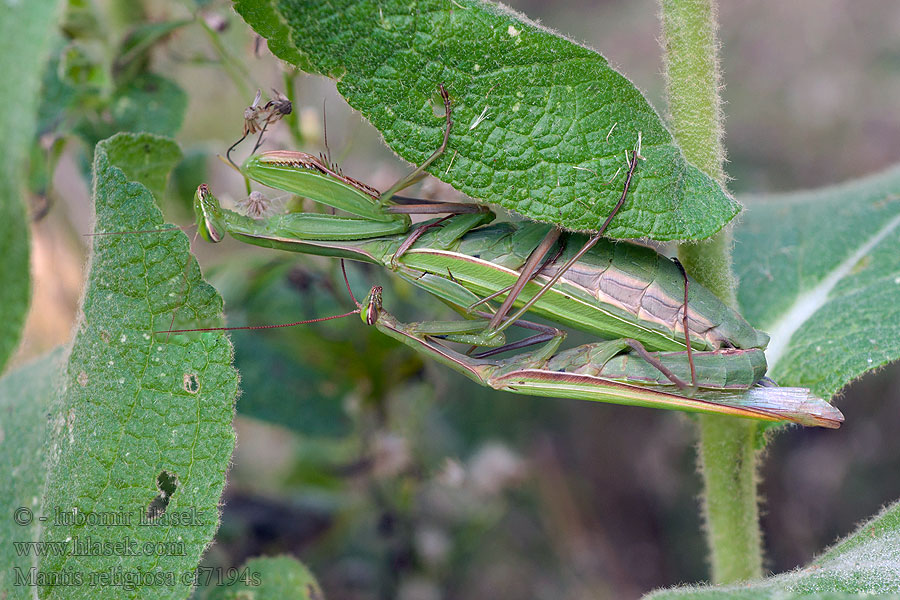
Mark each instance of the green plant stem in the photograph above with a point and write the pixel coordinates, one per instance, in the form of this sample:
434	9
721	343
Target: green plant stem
727	455
289	79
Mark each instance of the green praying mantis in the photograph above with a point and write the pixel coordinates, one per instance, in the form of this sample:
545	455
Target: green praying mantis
599	372
377	214
621	291
628	295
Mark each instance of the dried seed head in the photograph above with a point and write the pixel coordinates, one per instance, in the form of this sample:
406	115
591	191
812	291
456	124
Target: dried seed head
256	205
279	106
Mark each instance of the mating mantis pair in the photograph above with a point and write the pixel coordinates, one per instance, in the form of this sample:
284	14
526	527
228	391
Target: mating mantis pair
376	214
620	291
616	290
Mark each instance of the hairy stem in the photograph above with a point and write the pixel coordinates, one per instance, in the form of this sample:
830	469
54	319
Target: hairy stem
727	455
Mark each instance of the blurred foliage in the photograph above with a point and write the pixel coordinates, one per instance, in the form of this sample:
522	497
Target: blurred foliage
86	92
25	33
394	478
275	578
299	377
98	83
26	396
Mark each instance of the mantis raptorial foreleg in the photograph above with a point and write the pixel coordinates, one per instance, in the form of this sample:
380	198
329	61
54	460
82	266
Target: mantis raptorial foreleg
314	178
378	215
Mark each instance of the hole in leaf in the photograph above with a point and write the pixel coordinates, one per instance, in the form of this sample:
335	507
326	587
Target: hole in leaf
166	483
190	383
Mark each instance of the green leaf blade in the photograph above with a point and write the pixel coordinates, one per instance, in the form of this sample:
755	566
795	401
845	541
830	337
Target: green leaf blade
25	396
863	564
542	125
147	103
140	408
270	578
820	271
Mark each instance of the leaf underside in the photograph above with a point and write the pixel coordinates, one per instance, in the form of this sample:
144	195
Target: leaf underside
820	271
864	564
542	125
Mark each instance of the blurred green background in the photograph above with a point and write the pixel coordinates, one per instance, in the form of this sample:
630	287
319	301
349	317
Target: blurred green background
391	477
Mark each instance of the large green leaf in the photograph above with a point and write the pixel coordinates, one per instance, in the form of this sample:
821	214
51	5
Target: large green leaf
142	428
862	565
820	271
25	33
542	125
26	395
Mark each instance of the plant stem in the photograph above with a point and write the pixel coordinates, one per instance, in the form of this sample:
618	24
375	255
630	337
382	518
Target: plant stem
234	68
293	120
727	446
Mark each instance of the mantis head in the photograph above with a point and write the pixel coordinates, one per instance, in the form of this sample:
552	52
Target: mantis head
370	308
208	215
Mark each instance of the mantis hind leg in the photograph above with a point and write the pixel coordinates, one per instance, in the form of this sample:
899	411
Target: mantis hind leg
659	366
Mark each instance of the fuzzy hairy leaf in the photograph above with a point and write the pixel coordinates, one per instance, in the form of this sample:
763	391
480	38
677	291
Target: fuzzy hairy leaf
271	578
542	125
142	428
26	395
25	34
820	271
865	564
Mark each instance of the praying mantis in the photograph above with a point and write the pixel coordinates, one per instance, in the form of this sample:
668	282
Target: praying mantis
377	214
625	294
616	290
461	264
598	372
